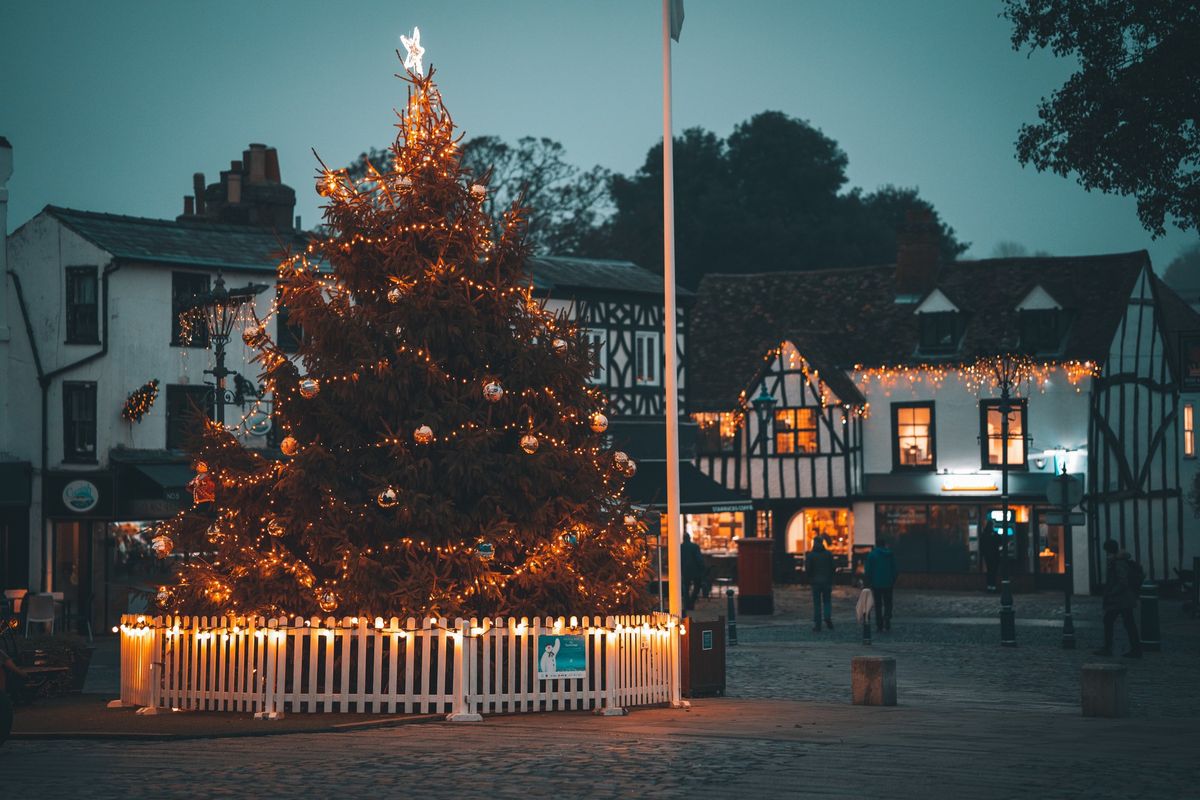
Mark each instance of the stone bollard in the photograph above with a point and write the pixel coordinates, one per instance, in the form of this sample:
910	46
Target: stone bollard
1104	690
873	680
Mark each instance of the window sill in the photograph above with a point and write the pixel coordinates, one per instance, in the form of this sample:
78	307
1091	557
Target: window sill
81	461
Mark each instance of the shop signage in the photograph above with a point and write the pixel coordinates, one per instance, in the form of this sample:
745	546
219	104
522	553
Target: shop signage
1075	518
732	507
68	495
969	483
80	496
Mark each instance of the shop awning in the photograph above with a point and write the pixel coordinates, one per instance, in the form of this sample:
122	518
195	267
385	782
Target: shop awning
698	493
167	476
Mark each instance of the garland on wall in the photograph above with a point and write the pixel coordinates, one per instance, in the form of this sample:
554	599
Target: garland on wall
140	401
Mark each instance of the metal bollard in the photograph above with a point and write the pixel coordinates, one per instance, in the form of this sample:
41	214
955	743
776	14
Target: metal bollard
732	637
866	628
1008	617
1150	631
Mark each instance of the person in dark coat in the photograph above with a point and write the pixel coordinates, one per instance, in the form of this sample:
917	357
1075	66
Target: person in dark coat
819	566
880	574
989	547
1120	598
691	563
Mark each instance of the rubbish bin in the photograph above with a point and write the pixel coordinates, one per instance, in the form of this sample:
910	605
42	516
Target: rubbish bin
704	658
755	591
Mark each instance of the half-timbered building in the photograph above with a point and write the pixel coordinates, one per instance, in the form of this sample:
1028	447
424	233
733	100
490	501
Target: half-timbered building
864	403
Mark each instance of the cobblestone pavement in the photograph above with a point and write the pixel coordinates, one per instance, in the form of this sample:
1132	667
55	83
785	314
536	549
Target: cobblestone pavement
974	720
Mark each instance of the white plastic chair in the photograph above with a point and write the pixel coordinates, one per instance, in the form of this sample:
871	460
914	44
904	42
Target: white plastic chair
40	609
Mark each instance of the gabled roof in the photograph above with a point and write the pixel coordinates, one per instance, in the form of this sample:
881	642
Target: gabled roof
560	274
1176	316
189	243
845	317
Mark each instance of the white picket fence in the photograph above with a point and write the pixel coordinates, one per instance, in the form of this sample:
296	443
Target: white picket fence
273	666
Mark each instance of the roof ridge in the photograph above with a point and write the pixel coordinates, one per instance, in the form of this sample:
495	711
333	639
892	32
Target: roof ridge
63	211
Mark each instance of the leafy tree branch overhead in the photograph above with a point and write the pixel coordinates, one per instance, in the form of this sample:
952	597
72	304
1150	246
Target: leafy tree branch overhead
1127	121
768	198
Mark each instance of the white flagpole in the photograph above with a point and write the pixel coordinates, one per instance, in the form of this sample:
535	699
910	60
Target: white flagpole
670	373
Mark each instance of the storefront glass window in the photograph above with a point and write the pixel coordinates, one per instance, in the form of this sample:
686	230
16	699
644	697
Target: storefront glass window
716	533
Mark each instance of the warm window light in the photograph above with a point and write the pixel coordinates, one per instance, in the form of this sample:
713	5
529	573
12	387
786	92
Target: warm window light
968	483
1189	431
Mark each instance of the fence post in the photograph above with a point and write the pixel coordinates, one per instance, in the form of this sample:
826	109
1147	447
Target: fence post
612	648
124	659
464	674
276	640
145	645
677	629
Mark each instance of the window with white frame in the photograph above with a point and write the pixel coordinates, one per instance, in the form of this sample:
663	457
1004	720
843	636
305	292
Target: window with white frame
597	341
646	358
1189	431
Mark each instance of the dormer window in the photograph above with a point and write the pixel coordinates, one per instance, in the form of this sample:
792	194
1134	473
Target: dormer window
1042	329
940	331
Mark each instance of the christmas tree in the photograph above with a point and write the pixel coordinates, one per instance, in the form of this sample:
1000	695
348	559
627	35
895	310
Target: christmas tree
442	449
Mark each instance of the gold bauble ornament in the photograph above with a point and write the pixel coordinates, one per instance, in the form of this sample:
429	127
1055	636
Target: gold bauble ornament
214	534
529	443
162	545
289	446
254	337
276	526
165	596
493	392
620	458
309	388
423	435
327	599
560	346
394	295
387	498
630	468
599	422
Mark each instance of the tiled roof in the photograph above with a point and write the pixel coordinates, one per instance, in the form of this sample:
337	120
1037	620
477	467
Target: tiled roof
839	318
193	243
557	274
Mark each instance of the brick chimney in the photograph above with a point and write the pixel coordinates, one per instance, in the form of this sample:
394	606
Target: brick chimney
918	255
248	193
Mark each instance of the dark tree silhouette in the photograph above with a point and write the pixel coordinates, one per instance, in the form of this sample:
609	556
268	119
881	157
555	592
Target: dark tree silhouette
1128	120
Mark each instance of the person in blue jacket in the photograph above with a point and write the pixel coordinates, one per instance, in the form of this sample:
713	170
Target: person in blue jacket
880	573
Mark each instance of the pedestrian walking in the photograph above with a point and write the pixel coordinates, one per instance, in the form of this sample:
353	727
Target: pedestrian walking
819	566
989	546
1122	578
691	562
880	573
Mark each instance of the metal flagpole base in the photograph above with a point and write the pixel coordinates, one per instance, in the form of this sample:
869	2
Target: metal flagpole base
464	716
611	712
150	711
681	704
118	704
268	715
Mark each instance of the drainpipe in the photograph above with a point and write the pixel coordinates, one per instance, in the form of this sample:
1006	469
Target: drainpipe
46	380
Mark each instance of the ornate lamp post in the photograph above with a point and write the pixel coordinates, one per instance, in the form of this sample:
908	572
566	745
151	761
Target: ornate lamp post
221	308
1007	371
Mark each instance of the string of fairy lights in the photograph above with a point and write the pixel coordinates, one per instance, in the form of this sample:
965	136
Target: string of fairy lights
250	534
1023	373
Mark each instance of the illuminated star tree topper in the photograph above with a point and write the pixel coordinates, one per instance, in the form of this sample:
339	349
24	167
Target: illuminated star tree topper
412	61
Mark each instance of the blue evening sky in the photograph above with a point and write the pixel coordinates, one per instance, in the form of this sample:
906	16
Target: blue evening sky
111	106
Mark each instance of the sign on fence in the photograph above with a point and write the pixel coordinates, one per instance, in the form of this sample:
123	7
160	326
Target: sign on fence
561	656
